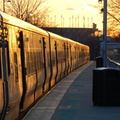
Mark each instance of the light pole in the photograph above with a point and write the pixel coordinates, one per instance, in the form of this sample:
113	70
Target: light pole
105	34
104	41
4	4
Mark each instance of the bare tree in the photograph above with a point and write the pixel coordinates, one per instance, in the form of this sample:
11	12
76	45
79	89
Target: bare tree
30	11
114	18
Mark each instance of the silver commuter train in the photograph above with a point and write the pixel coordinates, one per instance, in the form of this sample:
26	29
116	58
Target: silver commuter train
32	61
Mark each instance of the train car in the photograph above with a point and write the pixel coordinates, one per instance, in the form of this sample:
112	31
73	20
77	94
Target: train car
32	61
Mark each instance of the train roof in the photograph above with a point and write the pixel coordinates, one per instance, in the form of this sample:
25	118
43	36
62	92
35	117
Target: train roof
20	23
70	40
25	25
56	35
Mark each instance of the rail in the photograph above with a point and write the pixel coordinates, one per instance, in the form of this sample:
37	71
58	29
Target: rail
112	63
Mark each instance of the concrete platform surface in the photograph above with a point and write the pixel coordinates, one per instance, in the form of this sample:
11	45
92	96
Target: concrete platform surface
71	99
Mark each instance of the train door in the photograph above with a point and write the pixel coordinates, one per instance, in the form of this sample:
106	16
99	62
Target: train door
22	54
40	77
56	61
21	46
29	70
44	58
28	79
59	59
62	48
47	64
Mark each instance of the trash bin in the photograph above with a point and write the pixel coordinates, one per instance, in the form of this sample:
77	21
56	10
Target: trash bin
99	62
106	86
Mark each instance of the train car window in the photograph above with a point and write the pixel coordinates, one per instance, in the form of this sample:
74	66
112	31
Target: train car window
40	64
28	63
34	62
60	57
30	54
31	59
38	61
15	67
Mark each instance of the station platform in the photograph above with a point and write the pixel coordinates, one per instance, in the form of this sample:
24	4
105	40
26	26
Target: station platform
71	99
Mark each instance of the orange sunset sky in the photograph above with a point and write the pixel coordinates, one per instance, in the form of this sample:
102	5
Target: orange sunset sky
75	13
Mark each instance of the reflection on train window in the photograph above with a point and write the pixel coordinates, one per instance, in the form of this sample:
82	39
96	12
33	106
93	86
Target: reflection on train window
15	67
34	62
